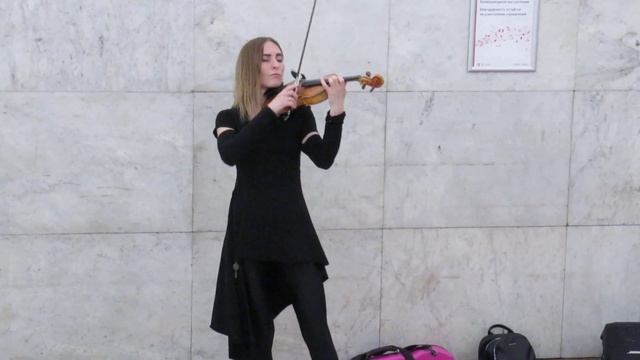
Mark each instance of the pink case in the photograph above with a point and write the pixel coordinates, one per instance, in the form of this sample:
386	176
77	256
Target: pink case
420	352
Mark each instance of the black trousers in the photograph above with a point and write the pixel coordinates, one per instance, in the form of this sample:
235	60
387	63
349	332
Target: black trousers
303	284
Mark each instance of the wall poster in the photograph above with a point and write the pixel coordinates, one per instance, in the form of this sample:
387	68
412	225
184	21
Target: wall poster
503	35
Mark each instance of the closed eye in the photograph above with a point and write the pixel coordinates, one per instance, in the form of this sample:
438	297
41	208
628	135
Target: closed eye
267	57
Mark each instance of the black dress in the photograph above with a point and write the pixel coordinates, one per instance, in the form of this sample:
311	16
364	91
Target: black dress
268	217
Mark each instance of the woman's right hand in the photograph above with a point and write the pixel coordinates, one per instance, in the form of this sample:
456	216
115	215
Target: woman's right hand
287	99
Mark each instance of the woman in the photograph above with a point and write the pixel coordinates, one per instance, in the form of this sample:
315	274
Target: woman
271	255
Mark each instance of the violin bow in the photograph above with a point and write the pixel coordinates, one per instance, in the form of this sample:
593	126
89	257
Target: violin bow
304	46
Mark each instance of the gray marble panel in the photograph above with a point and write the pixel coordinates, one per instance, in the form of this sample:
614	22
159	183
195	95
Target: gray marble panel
448	286
96	45
95	163
344	197
501	159
96	296
341	31
348	195
205	343
353	290
608	45
352	293
601	285
363	131
605	171
428	47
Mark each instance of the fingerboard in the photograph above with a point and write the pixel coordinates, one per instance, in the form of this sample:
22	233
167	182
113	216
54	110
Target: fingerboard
316	82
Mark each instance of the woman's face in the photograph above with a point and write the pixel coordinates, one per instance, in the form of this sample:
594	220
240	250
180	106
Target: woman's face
272	66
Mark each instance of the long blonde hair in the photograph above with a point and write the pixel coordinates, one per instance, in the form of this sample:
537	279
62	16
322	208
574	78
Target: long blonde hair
247	95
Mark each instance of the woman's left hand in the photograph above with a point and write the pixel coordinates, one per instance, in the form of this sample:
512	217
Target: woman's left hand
336	89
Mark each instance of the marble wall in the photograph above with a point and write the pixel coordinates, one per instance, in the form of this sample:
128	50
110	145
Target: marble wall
458	199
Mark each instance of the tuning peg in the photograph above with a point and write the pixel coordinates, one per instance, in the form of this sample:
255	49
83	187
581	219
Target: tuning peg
295	75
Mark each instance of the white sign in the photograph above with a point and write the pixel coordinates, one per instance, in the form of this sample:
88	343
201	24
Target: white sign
503	35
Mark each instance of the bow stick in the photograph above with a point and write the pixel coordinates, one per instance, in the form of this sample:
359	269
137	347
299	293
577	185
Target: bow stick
304	46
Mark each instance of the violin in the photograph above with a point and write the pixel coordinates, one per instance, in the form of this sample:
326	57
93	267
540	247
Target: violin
311	92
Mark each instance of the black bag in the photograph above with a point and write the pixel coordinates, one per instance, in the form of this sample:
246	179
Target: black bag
505	346
621	341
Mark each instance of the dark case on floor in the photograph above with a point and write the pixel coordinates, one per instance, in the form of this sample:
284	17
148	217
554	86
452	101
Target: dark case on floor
621	341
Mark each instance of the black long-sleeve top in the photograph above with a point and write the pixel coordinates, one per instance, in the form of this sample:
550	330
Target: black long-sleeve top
268	217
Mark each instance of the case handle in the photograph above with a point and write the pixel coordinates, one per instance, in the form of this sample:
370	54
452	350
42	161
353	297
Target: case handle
499	326
384	350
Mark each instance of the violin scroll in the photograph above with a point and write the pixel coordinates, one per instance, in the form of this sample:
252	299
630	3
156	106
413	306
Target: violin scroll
374	81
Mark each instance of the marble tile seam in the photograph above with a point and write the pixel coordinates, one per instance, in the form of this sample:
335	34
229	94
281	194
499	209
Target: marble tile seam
503	227
317	228
568	209
381	264
384	172
195	91
193	169
571	151
82	92
413	164
575	52
598	90
564	286
193	162
480	91
337	229
441	91
356	91
458	91
99	233
451	227
510	91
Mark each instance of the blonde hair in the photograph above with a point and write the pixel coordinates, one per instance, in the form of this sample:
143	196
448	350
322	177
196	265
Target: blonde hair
247	95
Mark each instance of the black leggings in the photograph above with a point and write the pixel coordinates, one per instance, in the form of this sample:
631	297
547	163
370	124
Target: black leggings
303	284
